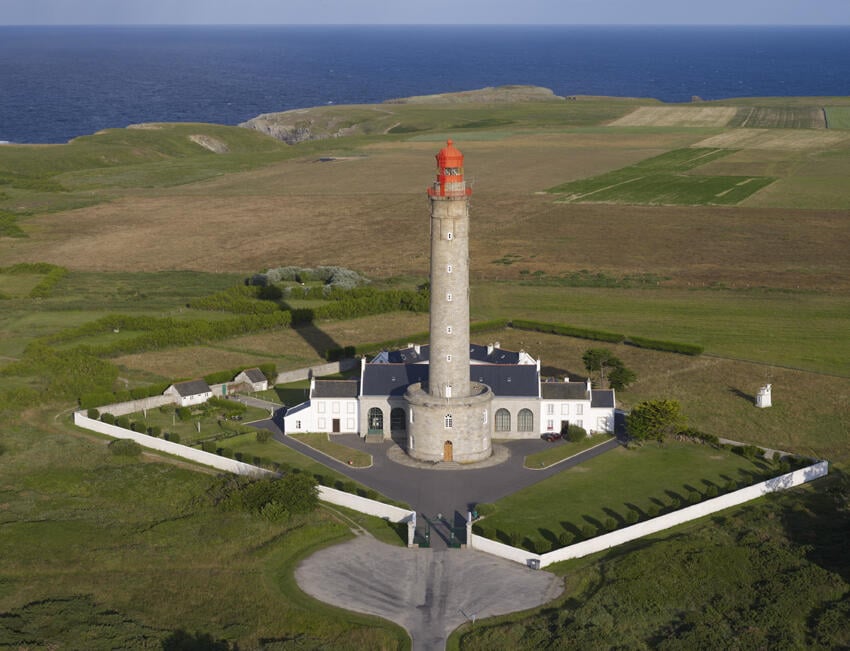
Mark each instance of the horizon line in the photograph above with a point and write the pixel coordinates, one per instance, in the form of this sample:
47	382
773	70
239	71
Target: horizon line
452	25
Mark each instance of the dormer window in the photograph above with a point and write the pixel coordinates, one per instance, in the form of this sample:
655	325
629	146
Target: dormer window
451	171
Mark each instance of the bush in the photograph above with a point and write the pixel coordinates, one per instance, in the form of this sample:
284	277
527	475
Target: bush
565	539
208	446
652	510
588	531
125	448
93	413
227	453
514	538
107	418
174	437
184	413
751	452
263	435
123	422
610	524
569	331
632	516
154	430
694	497
485	509
666	346
711	491
576	433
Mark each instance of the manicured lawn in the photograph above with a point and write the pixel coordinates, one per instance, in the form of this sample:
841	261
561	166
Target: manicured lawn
610	486
200	425
325	443
661	180
562	449
838	117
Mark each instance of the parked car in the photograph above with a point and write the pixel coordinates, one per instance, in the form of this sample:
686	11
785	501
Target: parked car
551	437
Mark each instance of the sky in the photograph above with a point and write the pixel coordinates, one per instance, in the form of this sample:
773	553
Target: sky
390	12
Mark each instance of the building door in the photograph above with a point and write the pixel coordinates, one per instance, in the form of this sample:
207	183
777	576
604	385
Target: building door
565	427
335	426
447	451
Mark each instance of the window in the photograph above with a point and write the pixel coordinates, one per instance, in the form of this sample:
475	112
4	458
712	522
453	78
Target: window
335	407
322	424
297	424
550	426
376	420
411	414
484	417
349	423
320	407
448	330
503	420
448	268
350	408
448	358
525	421
579	410
397	419
449	297
550	409
448	421
565	410
449	235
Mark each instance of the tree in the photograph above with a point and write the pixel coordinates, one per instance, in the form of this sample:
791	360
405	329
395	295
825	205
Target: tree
607	366
655	420
620	377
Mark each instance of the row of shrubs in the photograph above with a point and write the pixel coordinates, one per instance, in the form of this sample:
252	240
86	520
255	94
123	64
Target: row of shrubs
241	299
52	275
601	335
124	422
330	276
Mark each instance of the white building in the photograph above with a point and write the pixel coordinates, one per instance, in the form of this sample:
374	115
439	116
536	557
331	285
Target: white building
524	405
253	378
189	393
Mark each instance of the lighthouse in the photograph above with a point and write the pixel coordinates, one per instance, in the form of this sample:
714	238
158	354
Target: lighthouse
449	415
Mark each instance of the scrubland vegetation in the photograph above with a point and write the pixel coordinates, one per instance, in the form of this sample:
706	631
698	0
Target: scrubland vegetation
125	259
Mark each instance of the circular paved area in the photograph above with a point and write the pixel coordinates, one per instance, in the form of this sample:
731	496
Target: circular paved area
430	593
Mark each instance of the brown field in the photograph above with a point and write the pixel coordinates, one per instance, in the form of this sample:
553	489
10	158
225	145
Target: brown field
677	116
370	213
781	117
773	139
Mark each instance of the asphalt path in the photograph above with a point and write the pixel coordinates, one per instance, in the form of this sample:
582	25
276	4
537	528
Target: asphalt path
428	592
433	493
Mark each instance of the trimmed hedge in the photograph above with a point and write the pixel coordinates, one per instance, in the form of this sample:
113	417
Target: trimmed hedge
666	346
569	331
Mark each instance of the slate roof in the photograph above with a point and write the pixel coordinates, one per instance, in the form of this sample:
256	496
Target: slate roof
603	399
191	388
564	390
334	389
504	379
477	353
391	379
254	375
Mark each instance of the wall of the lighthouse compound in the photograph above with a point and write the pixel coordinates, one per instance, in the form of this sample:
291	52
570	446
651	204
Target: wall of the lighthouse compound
449	330
470	428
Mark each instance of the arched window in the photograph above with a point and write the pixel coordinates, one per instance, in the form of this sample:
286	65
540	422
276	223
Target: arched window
525	421
397	419
503	420
448	421
376	420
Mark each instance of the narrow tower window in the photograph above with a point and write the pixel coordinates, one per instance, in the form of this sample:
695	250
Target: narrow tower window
448	268
448	421
448	330
449	296
448	358
449	236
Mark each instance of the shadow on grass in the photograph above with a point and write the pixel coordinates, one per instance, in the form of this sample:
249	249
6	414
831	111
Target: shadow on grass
743	396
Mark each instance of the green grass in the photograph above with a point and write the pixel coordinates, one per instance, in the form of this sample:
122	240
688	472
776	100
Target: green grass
325	444
210	426
560	450
615	483
102	552
661	181
799	330
759	576
838	117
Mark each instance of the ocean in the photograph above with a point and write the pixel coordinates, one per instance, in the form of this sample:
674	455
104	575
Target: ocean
57	83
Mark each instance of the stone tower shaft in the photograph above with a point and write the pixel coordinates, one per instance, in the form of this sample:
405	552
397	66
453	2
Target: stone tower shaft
449	327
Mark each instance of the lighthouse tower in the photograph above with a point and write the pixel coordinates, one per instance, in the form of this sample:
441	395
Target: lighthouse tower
449	415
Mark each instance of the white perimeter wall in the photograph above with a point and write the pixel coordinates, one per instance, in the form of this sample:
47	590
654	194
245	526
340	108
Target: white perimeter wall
316	371
326	494
620	536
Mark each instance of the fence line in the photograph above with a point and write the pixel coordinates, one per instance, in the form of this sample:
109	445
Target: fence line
326	494
660	523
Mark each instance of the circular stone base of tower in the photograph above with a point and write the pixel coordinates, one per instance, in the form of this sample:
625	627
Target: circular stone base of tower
450	429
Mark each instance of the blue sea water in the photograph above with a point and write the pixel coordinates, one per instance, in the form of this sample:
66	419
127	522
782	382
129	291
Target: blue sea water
60	82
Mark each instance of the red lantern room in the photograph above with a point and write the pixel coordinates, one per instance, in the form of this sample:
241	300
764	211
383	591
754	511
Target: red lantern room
449	173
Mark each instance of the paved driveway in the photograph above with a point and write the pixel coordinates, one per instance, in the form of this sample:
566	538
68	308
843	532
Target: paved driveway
430	593
431	492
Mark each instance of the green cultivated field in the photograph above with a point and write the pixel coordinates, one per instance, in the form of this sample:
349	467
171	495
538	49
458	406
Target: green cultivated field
838	117
662	181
